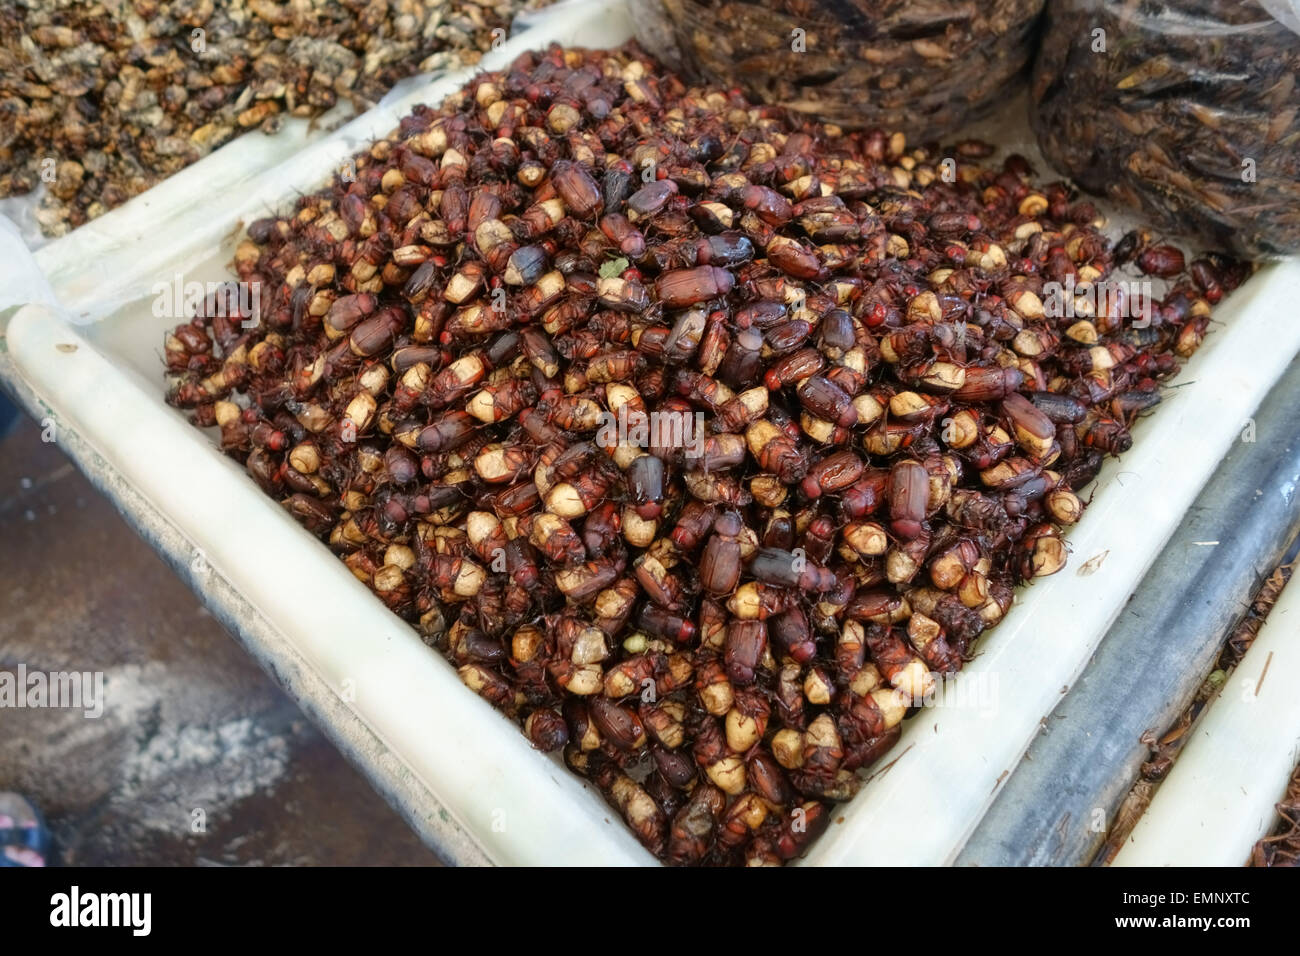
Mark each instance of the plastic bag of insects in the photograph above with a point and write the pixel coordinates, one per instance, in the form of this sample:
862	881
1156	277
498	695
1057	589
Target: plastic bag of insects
924	67
1187	110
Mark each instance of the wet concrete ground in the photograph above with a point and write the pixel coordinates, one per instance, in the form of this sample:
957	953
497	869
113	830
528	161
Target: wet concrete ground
198	758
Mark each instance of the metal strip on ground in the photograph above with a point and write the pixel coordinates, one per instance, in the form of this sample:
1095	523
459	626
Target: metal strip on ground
1221	794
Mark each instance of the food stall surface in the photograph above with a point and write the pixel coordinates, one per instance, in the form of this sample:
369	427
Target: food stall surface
189	722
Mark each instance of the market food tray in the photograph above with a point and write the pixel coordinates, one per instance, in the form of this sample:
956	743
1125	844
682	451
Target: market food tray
437	750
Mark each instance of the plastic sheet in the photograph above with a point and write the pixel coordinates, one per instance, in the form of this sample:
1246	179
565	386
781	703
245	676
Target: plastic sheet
921	67
1186	110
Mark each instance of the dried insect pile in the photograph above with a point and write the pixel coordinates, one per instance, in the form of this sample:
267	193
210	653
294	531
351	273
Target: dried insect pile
1186	110
103	99
479	365
1282	847
924	68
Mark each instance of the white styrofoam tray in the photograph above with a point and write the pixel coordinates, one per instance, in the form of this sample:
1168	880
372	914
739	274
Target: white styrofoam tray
97	366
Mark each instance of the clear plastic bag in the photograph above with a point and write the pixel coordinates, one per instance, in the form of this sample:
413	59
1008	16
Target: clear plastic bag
1186	110
925	67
